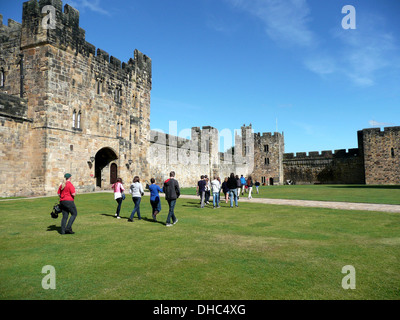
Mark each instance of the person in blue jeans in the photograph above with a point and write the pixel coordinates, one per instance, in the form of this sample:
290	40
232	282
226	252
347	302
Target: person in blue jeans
216	188
155	198
137	192
233	187
172	192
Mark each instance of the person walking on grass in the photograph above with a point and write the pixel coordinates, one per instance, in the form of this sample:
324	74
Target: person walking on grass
155	198
136	190
208	189
225	189
172	193
216	187
257	184
243	182
201	190
239	186
233	189
67	193
118	195
250	186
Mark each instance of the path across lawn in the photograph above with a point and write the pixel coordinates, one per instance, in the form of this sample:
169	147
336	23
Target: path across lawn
320	204
300	203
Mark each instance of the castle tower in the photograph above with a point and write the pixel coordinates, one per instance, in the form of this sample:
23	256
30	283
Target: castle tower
90	114
381	152
268	158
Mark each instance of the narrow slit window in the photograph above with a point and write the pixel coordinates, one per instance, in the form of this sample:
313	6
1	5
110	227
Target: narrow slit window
2	78
79	120
392	152
73	119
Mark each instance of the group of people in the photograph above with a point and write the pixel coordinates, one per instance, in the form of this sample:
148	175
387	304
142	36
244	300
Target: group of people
66	192
231	187
170	189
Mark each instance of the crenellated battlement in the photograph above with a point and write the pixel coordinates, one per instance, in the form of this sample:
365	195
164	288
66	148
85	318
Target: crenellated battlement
67	35
268	136
379	132
10	31
326	154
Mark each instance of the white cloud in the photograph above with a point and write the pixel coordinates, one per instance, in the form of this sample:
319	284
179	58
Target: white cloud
93	5
321	65
374	123
285	21
358	55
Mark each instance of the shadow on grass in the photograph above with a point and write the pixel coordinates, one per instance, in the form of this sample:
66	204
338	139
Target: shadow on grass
54	228
192	204
134	218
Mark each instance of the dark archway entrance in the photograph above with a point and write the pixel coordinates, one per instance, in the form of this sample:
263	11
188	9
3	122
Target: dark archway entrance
271	181
113	173
103	158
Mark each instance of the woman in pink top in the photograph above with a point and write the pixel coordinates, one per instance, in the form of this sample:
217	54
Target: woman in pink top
118	191
67	193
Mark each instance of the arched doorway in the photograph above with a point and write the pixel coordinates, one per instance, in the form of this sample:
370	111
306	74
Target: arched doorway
103	157
271	181
113	173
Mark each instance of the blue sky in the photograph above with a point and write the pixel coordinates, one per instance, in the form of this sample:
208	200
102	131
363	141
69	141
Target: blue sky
275	64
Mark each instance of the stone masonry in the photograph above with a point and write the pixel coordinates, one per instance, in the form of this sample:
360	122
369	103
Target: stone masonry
66	106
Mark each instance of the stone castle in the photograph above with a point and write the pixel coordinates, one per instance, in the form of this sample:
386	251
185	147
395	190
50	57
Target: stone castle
66	106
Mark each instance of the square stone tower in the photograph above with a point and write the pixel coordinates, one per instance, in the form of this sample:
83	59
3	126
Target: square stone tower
89	113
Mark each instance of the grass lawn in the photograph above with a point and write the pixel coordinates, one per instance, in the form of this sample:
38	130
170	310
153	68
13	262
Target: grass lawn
252	252
389	194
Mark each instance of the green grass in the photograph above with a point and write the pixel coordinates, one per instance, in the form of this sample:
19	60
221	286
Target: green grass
252	252
389	194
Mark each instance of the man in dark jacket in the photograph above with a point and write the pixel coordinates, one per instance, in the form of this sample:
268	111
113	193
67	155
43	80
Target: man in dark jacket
233	188
172	192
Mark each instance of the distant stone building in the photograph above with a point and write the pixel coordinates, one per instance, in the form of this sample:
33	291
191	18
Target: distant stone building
375	161
67	107
381	155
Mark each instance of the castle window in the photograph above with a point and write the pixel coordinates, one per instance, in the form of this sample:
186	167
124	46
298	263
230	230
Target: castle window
73	119
2	78
117	94
98	84
266	148
266	161
392	152
119	129
79	120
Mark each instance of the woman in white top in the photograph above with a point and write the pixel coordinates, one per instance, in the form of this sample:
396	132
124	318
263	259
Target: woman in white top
216	187
136	190
118	191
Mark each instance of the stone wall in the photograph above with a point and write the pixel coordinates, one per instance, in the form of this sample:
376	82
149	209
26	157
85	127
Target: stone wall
339	167
16	139
191	158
